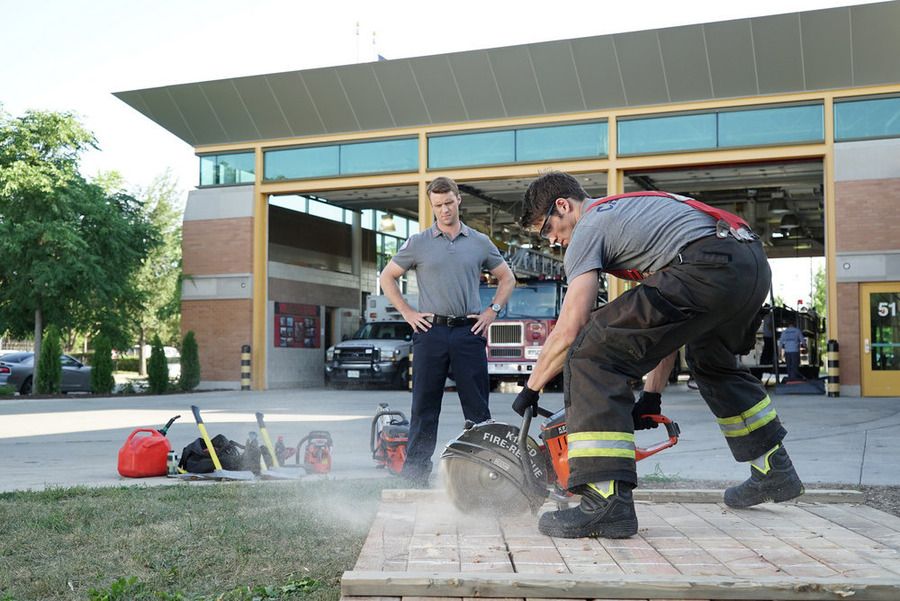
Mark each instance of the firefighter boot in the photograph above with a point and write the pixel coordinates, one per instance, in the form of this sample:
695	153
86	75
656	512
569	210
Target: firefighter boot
772	478
606	510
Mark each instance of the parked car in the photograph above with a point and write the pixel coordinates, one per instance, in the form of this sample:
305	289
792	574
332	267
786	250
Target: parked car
17	370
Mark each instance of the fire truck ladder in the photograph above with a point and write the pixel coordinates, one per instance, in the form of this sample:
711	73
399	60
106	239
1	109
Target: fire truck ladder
527	262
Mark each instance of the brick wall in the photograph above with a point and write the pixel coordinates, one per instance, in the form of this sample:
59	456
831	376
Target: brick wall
866	213
214	246
848	318
221	328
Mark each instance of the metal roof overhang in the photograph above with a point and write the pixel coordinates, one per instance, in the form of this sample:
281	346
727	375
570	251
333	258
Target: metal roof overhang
796	52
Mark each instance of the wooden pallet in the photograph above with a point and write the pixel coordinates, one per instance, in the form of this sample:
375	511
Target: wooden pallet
825	546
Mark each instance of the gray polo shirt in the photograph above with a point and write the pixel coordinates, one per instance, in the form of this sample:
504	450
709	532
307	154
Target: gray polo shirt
448	271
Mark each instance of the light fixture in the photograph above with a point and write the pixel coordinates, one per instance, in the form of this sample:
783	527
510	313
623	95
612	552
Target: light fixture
777	206
387	223
789	222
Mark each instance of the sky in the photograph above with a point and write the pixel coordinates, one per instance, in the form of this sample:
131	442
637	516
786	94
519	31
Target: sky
71	55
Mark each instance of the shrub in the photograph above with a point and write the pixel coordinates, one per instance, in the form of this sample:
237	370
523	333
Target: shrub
49	364
157	368
7	390
101	370
190	363
128	364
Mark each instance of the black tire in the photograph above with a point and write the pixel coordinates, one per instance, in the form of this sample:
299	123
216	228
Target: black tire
555	385
401	378
26	386
810	372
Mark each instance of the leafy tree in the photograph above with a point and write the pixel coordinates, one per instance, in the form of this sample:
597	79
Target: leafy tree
159	279
158	369
48	374
190	363
102	366
69	249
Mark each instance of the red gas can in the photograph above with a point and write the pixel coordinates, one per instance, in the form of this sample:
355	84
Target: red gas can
144	456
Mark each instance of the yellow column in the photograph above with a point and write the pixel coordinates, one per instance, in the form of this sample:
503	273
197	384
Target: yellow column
831	302
425	214
260	279
614	185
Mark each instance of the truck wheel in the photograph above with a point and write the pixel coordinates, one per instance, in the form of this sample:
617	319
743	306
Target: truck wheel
401	378
555	385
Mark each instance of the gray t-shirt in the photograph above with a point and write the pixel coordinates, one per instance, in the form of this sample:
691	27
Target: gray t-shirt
448	272
645	233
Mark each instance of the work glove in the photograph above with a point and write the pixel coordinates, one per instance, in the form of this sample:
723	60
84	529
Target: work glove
527	398
649	403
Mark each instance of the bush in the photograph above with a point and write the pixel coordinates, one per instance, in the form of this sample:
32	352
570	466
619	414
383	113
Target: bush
7	390
128	364
49	364
102	367
190	363
157	368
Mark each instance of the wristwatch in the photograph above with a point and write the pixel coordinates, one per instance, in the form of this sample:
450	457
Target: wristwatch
496	308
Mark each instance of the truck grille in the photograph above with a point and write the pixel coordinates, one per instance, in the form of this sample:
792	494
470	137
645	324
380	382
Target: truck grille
506	353
505	333
356	354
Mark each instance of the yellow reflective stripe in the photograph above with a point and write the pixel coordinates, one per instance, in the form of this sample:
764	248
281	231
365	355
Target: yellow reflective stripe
597	452
751	427
748	413
601	436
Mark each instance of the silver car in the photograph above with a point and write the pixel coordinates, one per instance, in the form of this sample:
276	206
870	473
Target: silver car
17	370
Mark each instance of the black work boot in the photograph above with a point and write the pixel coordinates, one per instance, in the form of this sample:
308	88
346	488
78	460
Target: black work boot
772	478
605	513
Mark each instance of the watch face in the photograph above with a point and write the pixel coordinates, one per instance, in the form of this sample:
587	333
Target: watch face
496	307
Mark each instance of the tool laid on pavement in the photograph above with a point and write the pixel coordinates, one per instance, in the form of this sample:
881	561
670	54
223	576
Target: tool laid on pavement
146	456
273	468
317	456
485	472
219	473
390	435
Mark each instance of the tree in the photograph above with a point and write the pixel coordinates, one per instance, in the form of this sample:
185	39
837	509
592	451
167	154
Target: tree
158	370
48	371
190	363
69	249
102	366
159	278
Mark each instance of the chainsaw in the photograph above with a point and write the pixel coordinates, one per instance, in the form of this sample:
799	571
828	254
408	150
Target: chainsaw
389	437
486	472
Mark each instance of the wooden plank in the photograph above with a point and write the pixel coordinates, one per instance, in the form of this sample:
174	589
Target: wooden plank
586	586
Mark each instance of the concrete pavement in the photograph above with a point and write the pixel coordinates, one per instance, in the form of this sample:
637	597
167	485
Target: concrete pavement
75	441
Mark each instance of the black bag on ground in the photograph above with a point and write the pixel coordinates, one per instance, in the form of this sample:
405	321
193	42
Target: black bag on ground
195	457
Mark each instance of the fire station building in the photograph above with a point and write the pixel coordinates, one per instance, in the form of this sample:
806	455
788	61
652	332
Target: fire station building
310	180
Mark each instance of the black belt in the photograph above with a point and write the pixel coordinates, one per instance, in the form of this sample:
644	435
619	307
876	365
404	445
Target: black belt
451	320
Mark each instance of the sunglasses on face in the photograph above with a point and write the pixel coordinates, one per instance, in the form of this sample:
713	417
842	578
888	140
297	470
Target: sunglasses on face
545	229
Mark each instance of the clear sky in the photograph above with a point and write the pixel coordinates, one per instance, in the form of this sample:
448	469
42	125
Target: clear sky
72	54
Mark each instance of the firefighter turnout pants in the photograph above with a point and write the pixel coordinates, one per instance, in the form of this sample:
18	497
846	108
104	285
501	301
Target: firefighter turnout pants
709	299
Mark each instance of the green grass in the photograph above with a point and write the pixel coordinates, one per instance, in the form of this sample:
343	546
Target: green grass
213	541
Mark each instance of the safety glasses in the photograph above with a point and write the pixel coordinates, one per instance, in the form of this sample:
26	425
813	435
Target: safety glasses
545	229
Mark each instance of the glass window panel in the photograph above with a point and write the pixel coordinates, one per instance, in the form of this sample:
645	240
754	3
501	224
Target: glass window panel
884	310
483	148
561	142
873	118
780	125
207	170
413	227
368	219
664	134
380	157
236	168
325	210
295	163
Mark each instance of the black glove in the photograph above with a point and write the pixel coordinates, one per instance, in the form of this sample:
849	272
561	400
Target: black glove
649	403
527	398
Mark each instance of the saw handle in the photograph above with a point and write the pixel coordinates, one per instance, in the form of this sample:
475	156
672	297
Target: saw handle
672	430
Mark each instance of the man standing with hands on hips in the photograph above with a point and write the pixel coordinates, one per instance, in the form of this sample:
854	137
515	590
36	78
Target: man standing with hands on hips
450	326
704	278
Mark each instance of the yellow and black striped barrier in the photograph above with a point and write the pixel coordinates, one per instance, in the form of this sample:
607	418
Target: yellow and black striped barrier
409	372
833	383
245	367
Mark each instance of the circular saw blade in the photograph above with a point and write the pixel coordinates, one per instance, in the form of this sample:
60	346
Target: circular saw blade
481	489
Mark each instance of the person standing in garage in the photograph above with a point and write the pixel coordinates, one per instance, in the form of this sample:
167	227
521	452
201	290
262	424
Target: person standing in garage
704	278
450	326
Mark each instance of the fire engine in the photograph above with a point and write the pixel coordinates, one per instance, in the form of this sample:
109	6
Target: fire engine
516	337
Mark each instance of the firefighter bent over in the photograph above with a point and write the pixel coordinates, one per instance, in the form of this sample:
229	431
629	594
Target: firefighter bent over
704	277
